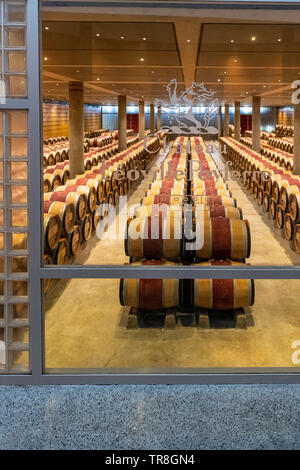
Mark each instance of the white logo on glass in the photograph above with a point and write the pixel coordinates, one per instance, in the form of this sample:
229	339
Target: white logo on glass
181	109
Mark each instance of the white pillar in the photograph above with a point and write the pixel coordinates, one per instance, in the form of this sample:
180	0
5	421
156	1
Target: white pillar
76	126
141	120
237	120
256	123
122	123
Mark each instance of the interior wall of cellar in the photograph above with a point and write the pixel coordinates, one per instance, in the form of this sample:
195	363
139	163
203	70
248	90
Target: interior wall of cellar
56	118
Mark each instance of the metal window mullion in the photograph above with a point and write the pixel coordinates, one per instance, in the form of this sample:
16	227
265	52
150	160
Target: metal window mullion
35	187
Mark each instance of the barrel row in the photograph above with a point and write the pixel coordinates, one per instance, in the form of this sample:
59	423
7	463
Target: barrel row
226	235
91	134
277	190
58	174
53	140
164	228
184	294
282	158
155	231
71	212
284	131
285	143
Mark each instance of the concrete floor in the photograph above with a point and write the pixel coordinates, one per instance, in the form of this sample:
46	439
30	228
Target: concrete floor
85	326
164	417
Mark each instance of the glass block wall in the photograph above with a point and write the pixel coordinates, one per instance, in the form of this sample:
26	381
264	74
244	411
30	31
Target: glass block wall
14	306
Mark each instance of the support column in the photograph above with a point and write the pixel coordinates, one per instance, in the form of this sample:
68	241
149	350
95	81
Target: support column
220	122
152	119
100	119
122	123
158	120
237	120
76	126
226	121
141	120
296	170
256	123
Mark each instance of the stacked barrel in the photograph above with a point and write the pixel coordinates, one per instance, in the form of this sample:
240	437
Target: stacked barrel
101	141
59	173
162	230
71	210
226	236
54	140
154	235
91	134
284	131
276	155
276	189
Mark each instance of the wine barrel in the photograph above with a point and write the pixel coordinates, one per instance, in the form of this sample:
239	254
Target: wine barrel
221	211
95	219
266	202
213	201
294	206
296	237
273	207
47	259
50	158
90	193
65	211
47	185
150	294
54	180
155	209
162	199
86	228
285	193
279	216
225	238
78	200
74	240
61	254
223	294
52	229
154	237
90	182
288	227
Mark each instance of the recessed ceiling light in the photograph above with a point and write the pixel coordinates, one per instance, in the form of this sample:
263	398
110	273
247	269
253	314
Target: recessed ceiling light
122	37
225	73
232	41
144	39
265	86
279	80
142	59
235	60
45	58
46	27
253	38
153	71
98	35
188	40
57	84
219	79
279	39
77	71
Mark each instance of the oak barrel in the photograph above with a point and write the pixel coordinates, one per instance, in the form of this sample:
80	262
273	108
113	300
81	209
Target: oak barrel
223	294
150	294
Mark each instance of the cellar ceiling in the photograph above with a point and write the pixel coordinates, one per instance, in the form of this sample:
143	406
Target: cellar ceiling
139	58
